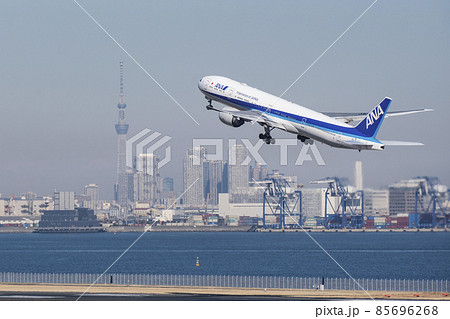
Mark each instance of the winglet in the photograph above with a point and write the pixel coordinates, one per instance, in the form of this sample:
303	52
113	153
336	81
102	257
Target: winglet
370	125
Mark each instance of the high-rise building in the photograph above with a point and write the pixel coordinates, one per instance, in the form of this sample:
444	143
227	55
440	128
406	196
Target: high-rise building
239	171
193	176
64	200
258	172
402	196
147	181
376	201
121	186
313	202
214	181
225	178
92	193
168	194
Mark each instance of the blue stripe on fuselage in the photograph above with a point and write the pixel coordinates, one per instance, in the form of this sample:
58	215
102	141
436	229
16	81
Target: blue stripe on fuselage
348	131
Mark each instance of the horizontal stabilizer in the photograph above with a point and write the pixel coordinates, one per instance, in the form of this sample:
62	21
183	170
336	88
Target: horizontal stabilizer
397	113
351	117
400	143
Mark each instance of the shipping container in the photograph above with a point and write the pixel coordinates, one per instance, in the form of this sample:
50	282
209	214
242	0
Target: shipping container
247	223
402	219
379	220
310	222
369	224
231	220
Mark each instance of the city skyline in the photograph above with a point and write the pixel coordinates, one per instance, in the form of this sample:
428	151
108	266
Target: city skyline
207	171
59	100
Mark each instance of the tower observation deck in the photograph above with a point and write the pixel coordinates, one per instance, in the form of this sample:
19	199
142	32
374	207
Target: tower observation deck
121	186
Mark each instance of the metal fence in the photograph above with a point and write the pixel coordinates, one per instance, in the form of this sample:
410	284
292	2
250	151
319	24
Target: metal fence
229	281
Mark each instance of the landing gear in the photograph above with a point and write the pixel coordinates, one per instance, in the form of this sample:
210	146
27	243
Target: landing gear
266	136
305	139
209	106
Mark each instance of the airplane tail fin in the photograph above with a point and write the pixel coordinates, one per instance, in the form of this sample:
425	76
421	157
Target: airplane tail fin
370	125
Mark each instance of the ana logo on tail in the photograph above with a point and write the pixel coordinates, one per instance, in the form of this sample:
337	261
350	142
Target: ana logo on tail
373	116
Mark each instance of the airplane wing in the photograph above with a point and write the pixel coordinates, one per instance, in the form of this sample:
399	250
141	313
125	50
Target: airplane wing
354	117
252	116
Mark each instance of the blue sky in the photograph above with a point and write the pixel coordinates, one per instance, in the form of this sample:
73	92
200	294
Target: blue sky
60	81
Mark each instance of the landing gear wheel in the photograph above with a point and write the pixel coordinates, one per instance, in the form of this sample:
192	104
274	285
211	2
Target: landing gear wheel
209	106
266	136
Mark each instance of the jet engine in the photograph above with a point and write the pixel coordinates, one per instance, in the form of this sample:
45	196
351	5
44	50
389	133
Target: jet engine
230	120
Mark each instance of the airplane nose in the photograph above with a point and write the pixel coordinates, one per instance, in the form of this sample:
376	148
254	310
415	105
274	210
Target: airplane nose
202	83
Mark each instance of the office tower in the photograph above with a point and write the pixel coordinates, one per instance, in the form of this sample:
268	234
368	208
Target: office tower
193	176
214	181
147	181
64	200
258	172
238	172
402	196
92	193
376	201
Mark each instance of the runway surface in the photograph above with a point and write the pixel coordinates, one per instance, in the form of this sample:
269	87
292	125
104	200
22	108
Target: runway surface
174	293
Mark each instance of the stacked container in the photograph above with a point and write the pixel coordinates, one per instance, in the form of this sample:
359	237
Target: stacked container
248	221
232	220
379	222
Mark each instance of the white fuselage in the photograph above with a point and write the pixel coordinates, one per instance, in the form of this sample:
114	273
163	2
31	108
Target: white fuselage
293	118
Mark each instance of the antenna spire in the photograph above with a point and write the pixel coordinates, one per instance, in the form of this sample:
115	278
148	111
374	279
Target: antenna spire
121	95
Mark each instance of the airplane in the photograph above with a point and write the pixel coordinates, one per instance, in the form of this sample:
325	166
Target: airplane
247	104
